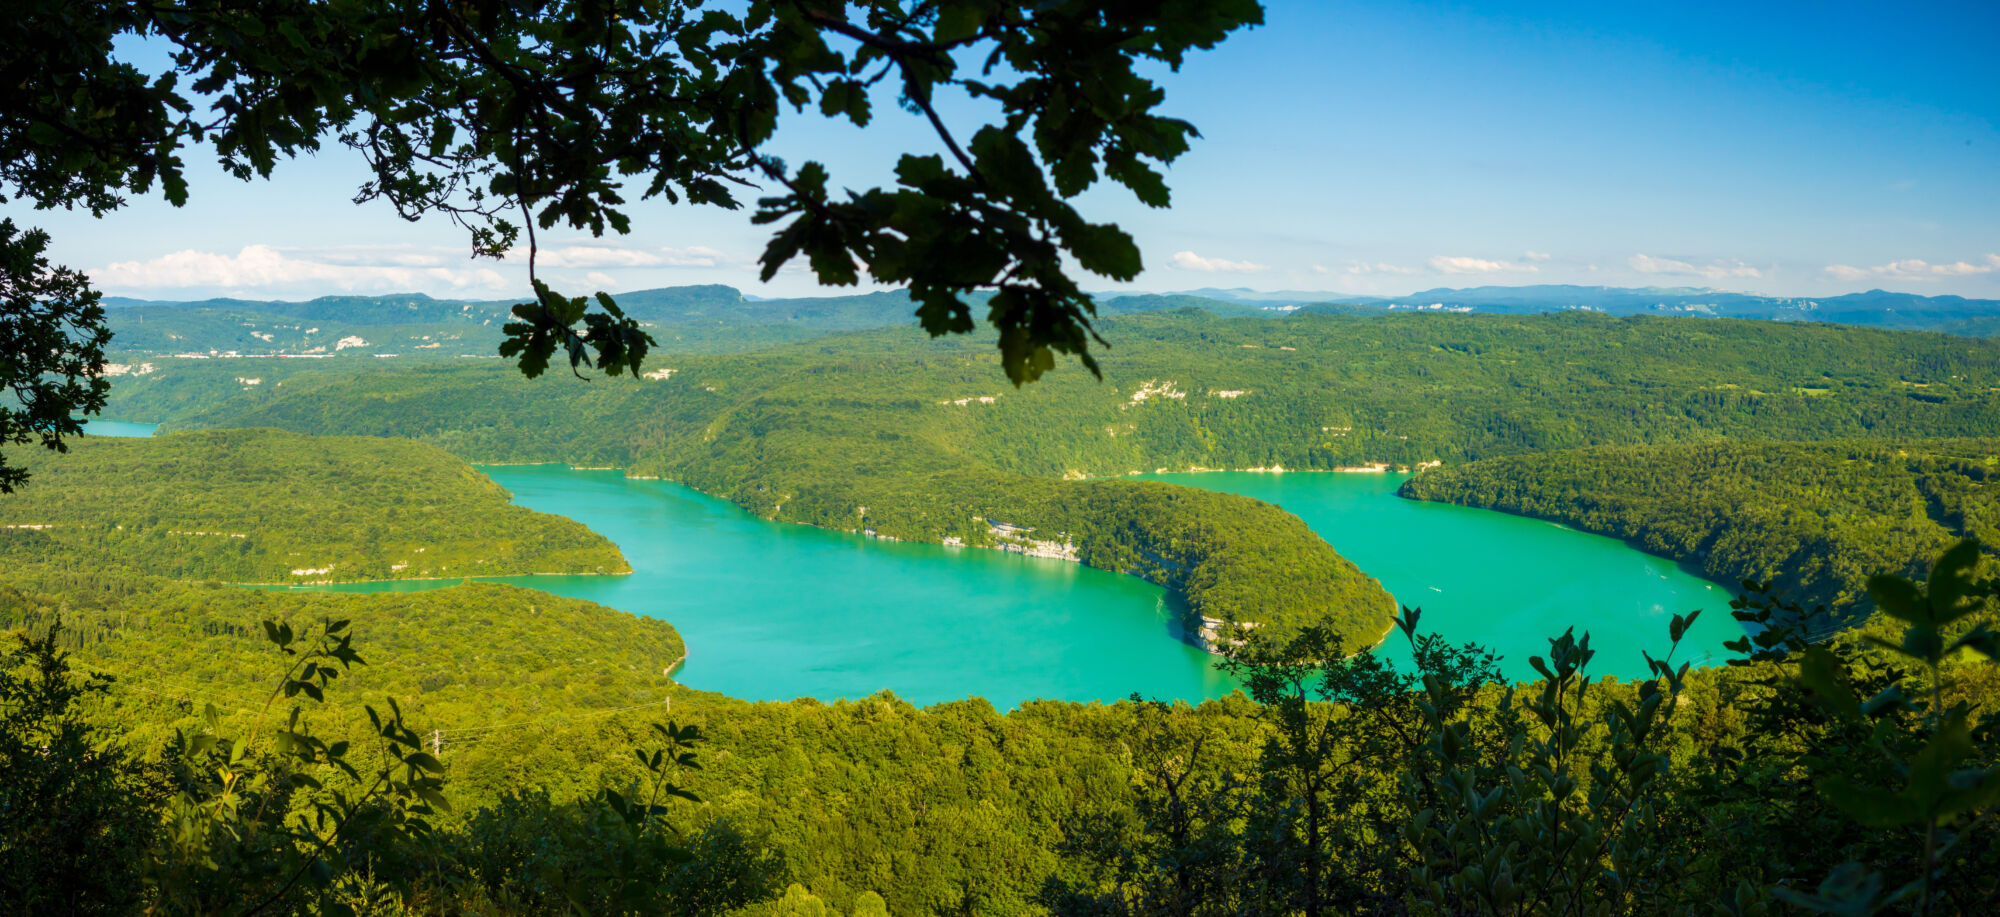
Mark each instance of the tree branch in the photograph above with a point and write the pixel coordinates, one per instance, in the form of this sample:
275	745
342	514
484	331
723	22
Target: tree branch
923	101
931	51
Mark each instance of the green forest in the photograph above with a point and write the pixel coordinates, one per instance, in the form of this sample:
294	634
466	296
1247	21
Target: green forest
259	665
1311	391
506	778
538	758
1819	518
267	506
885	431
461	659
719	319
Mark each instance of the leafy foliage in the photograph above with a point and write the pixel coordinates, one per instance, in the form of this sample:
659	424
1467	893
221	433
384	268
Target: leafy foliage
277	819
458	660
74	822
1440	791
52	339
1342	785
511	118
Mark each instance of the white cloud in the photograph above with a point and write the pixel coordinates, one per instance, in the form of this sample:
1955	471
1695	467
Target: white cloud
1647	264
1954	269
1189	261
593	256
1363	267
1915	269
380	255
263	267
264	271
1714	270
1460	265
1535	255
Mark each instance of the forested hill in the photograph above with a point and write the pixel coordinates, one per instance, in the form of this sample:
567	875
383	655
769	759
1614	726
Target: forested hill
692	319
1817	518
267	506
1182	390
720	319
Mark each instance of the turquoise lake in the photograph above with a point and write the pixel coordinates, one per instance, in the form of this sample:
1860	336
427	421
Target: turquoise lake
118	428
774	611
1506	582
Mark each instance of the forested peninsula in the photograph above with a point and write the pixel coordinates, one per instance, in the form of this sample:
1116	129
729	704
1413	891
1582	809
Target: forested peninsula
1817	518
269	506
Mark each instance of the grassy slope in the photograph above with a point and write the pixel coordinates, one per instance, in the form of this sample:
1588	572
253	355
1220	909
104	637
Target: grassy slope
253	506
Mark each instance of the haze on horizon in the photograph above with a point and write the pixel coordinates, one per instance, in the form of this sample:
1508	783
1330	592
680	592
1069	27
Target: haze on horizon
1367	149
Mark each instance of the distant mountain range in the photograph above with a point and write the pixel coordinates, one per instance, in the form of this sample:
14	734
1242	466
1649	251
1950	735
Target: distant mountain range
1875	308
714	318
691	319
706	318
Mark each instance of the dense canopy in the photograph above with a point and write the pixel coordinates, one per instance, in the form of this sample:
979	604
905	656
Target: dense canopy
266	506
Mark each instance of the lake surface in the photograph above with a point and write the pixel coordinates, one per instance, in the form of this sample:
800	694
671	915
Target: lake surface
773	611
1506	582
118	428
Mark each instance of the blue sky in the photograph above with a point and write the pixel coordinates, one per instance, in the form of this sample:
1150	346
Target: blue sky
1371	148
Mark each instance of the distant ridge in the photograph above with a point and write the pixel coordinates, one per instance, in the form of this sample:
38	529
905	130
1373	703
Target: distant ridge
715	318
698	319
1875	308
